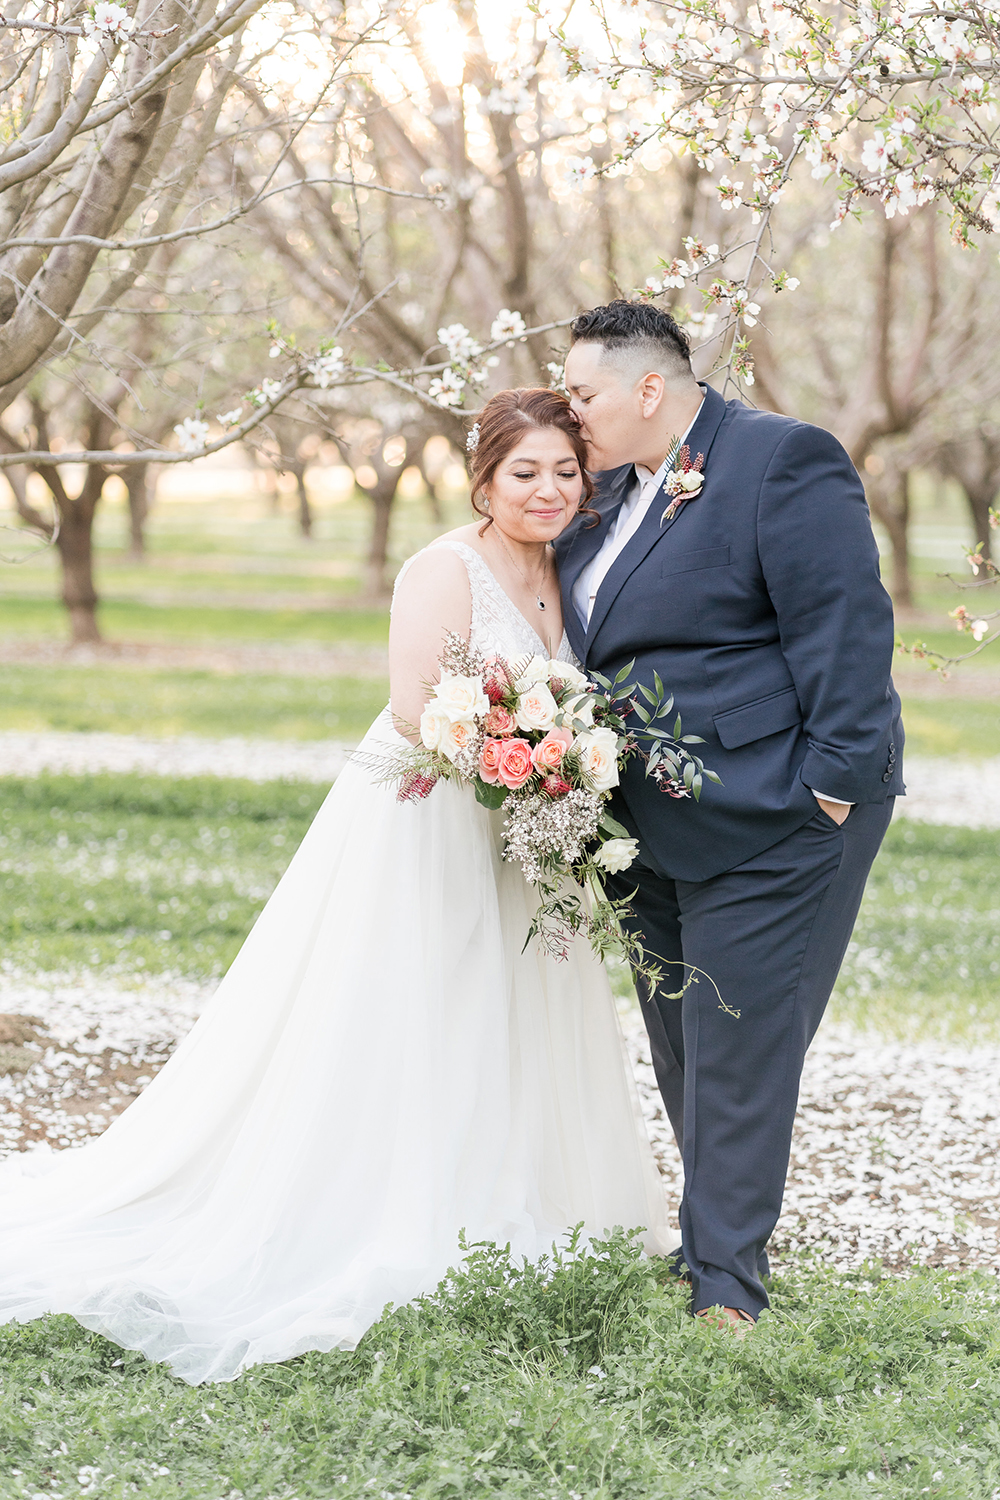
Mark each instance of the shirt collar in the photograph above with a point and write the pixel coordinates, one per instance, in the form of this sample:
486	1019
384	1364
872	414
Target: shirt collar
647	479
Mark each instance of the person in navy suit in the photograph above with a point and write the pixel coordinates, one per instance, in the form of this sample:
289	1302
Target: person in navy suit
756	598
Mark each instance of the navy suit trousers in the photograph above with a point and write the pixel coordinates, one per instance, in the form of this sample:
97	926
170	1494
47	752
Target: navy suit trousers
765	939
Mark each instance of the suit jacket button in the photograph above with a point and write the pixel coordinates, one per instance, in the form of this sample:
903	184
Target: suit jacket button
892	748
887	776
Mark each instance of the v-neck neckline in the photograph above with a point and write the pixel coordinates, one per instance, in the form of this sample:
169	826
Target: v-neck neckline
549	655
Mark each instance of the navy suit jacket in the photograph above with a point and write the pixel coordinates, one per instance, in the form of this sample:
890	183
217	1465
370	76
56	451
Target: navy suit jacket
761	607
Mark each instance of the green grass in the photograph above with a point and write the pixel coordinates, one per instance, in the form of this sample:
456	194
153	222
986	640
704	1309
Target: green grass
925	957
141	874
580	1381
190	624
966	727
132	700
152	875
127	700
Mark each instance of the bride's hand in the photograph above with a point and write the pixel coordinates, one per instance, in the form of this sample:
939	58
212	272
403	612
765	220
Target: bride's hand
432	599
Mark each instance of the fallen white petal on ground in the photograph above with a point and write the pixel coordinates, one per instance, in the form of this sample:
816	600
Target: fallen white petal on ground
939	789
26	754
896	1153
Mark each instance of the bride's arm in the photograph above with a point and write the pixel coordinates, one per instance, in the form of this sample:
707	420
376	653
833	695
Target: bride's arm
434	597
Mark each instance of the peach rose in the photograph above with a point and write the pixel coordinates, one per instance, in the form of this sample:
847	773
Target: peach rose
499	721
536	708
515	763
548	753
489	761
457	739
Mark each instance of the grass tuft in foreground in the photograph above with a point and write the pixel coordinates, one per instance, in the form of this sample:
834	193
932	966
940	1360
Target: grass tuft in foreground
582	1379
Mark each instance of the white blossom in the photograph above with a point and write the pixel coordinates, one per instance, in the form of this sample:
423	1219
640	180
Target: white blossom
579	169
230	418
459	342
326	368
447	390
192	433
268	390
875	153
106	19
507	325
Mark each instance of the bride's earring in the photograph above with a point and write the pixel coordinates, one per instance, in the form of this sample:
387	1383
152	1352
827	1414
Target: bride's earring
486	502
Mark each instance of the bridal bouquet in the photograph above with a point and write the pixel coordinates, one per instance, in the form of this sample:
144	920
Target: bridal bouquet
545	743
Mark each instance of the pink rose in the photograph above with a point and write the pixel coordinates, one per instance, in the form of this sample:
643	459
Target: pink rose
548	753
515	763
555	786
499	721
489	761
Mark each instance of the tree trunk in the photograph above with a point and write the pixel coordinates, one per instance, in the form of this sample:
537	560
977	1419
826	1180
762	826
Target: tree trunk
75	544
305	510
138	484
433	498
890	501
980	500
381	496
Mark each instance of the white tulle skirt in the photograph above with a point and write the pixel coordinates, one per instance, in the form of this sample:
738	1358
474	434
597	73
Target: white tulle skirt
381	1069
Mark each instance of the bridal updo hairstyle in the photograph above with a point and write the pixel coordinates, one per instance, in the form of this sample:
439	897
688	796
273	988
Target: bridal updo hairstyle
501	426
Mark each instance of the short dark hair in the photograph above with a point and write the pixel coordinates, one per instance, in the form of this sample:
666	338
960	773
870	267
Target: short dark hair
622	325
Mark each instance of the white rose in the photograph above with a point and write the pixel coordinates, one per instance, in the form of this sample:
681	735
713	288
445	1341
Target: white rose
433	723
458	735
536	709
598	751
581	708
535	669
461	697
568	674
615	855
691	481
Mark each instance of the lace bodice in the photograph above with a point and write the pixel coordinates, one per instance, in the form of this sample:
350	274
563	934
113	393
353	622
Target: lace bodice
498	626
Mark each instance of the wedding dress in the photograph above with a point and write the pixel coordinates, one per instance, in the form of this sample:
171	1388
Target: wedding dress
381	1069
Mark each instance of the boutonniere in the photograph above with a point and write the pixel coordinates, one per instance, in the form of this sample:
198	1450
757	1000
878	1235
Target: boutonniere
684	479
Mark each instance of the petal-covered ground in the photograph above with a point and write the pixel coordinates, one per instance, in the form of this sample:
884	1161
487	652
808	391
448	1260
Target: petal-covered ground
895	1156
939	789
896	1152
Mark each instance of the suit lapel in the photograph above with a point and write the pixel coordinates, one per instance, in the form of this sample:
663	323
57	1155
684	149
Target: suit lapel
585	546
699	440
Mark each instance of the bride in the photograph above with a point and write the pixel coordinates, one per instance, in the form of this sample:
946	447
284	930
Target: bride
383	1067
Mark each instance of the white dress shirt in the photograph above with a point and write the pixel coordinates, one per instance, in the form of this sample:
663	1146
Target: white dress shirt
645	488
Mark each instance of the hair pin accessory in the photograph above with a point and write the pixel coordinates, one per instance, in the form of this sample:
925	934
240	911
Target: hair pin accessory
472	441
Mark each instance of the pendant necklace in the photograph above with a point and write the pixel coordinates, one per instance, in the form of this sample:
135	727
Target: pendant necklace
538	599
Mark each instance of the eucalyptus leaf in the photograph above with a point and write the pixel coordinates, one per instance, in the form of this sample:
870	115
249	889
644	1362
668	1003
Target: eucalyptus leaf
490	796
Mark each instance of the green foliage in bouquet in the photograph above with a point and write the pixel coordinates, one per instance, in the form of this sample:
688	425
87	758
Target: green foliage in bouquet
545	743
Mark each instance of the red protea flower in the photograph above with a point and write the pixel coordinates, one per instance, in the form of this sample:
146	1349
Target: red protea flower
555	786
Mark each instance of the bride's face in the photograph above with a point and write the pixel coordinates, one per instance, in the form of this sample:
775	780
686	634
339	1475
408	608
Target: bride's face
536	490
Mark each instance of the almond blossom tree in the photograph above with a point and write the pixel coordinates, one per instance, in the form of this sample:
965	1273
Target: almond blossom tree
434	193
879	100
